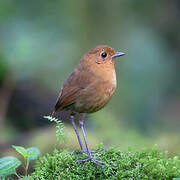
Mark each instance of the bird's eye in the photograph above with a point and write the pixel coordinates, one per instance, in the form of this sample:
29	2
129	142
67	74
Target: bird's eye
103	55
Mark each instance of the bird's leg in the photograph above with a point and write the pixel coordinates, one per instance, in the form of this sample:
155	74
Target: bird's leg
81	119
79	139
81	124
77	134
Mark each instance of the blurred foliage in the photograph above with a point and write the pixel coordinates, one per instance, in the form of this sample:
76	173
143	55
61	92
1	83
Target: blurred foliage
42	41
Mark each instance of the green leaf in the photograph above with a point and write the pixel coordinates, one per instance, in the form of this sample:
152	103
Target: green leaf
21	150
32	153
8	165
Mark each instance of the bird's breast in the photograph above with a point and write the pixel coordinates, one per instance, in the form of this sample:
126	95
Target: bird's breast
97	94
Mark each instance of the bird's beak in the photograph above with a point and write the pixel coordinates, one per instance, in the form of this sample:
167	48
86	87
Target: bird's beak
117	54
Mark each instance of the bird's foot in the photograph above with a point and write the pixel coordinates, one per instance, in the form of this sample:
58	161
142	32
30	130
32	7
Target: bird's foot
99	163
93	152
97	151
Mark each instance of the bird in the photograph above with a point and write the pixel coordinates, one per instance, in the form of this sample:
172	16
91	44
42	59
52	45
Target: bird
88	89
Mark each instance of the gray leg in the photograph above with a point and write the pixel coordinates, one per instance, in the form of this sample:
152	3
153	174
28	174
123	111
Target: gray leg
81	124
77	134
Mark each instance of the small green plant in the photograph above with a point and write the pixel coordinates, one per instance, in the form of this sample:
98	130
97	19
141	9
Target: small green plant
8	165
59	128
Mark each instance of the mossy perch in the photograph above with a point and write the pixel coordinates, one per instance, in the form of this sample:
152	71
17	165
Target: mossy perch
147	164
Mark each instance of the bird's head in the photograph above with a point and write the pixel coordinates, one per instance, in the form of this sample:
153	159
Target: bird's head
102	55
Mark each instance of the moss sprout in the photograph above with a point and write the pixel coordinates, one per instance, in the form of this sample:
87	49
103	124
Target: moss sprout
145	164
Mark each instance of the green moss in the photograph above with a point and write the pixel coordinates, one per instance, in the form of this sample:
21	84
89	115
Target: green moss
147	164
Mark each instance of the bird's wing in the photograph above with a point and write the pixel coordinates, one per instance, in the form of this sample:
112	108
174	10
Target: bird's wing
75	83
66	98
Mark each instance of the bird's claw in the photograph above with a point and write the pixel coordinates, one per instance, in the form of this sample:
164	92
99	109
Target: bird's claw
92	152
97	151
100	163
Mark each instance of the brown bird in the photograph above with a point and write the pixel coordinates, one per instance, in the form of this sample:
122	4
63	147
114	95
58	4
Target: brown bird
88	89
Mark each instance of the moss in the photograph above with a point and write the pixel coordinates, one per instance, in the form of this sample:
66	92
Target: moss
147	164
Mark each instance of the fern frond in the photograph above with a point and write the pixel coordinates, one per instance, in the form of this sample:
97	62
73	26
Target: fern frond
59	127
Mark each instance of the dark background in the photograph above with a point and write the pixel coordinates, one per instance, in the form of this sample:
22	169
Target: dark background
42	41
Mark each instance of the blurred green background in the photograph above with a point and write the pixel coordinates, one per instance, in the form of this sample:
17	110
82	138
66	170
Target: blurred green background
41	42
